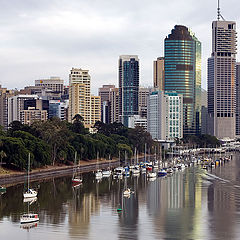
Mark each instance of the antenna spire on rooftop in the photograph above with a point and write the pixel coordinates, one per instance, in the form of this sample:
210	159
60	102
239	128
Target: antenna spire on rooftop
219	15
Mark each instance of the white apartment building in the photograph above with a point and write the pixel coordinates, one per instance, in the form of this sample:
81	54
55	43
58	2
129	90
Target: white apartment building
165	115
16	104
137	120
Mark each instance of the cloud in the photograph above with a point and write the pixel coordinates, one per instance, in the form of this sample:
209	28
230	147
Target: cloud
39	39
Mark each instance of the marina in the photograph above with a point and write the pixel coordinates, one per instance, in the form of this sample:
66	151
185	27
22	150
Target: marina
192	197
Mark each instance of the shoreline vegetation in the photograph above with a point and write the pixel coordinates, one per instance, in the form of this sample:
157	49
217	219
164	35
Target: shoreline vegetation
54	142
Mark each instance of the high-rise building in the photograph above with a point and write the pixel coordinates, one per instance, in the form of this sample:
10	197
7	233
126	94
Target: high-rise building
158	74
182	52
142	101
16	105
4	95
238	99
57	109
114	100
204	112
105	93
95	109
221	80
165	115
53	83
128	86
80	99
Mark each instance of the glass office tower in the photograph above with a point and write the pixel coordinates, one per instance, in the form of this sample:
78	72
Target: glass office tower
128	87
183	74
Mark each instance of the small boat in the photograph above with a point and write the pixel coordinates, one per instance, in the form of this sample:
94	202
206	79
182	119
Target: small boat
106	173
136	170
152	175
98	174
30	193
175	168
29	218
143	169
2	189
162	173
119	171
76	179
127	192
169	170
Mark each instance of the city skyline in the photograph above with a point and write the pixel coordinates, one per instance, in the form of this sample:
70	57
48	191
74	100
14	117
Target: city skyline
45	39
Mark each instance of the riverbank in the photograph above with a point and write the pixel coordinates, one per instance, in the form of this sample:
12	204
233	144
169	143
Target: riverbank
12	177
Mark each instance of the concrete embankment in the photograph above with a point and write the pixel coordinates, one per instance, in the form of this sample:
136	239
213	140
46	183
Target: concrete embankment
50	172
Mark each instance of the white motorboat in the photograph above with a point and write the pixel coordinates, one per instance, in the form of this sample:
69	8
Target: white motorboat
119	171
152	175
98	174
127	192
29	218
106	173
162	173
136	170
30	193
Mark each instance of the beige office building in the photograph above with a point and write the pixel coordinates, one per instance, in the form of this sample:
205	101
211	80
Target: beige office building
53	83
80	99
158	74
32	114
4	95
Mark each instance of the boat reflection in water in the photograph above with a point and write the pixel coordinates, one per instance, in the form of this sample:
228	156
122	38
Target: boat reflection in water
28	226
189	204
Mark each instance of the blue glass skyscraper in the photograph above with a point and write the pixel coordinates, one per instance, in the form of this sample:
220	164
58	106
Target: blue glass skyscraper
182	52
128	87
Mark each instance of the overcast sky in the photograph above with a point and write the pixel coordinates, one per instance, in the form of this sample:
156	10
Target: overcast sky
43	38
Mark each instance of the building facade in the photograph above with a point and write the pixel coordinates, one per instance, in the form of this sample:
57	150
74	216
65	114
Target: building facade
221	80
204	112
114	109
105	93
16	105
80	99
238	99
54	83
32	114
158	74
57	109
4	95
128	86
182	52
142	101
165	115
137	121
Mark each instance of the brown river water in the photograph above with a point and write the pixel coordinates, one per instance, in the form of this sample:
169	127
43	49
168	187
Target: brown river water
190	204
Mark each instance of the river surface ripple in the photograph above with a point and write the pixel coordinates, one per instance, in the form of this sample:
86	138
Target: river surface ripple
190	204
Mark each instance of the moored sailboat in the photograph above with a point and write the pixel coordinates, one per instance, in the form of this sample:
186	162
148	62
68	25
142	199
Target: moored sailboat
30	193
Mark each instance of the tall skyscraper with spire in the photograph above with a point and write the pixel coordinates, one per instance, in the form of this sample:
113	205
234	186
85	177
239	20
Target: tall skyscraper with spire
182	52
221	79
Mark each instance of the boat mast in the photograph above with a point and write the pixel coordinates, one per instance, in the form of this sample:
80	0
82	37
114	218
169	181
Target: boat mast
28	169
